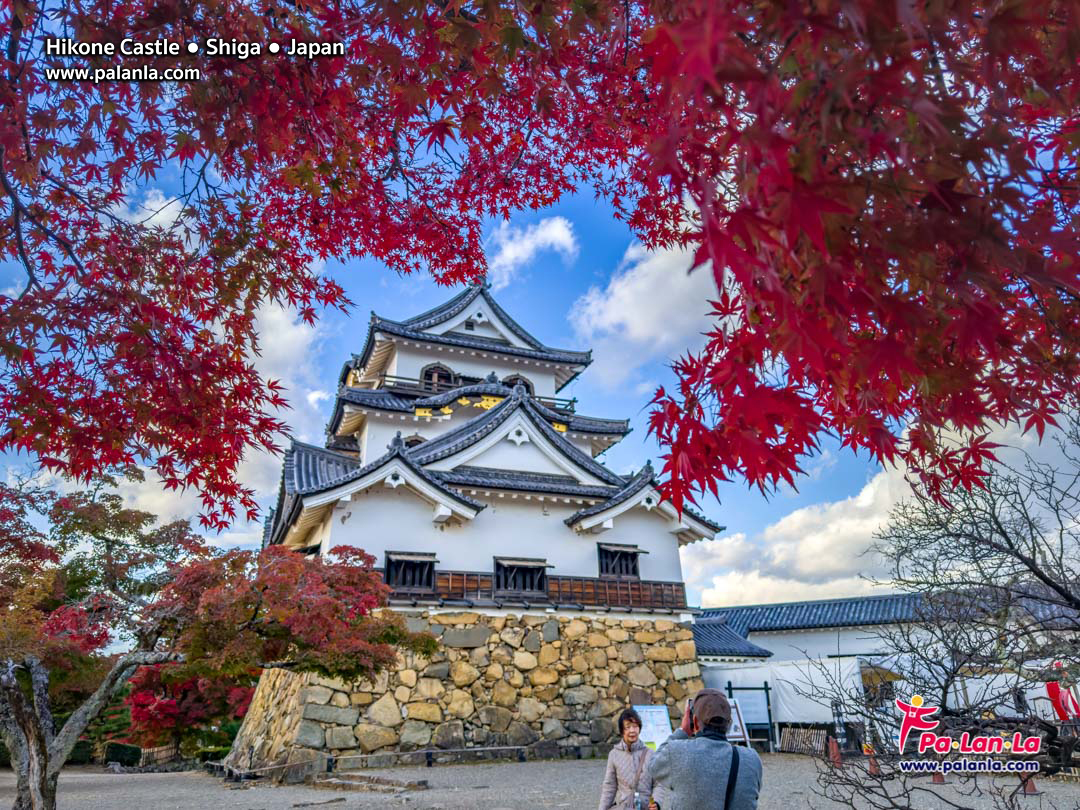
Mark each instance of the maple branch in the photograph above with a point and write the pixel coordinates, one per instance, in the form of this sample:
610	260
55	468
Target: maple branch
45	229
66	738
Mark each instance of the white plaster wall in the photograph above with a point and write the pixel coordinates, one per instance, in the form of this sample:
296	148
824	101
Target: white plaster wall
382	519
408	362
505	455
484	325
484	329
792	645
380	429
584	445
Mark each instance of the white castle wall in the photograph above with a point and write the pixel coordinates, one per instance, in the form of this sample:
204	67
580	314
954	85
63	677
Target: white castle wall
382	519
791	645
409	362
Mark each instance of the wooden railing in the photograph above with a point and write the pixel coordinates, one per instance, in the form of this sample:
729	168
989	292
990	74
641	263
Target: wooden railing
414	385
588	591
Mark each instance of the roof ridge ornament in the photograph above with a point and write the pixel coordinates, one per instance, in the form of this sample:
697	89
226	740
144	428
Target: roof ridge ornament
519	391
396	443
492	378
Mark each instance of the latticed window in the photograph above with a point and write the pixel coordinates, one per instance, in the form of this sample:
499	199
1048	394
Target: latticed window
413	571
521	574
619	560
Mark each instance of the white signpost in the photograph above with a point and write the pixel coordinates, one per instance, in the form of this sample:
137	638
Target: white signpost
737	730
655	725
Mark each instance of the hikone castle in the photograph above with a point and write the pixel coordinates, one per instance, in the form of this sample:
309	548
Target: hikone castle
552	582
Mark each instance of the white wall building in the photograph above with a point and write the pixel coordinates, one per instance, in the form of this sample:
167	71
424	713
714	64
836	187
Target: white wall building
450	458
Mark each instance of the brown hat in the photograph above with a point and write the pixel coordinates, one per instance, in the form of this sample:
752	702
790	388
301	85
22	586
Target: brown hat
711	704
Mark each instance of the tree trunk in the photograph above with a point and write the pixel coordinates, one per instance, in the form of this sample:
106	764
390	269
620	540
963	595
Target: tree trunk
36	797
37	751
22	783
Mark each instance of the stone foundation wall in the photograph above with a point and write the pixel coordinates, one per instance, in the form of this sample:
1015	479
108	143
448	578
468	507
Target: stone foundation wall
506	680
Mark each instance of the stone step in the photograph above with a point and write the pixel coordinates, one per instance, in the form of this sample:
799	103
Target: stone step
350	780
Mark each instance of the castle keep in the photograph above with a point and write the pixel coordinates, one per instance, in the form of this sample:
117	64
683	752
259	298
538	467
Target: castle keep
553	583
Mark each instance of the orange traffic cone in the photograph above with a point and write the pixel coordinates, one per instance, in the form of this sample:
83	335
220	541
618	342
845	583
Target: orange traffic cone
1028	785
938	778
875	769
834	753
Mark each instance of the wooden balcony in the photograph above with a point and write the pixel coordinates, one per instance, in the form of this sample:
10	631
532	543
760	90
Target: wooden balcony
479	587
413	385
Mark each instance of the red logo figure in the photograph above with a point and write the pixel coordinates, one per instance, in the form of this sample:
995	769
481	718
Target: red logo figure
915	717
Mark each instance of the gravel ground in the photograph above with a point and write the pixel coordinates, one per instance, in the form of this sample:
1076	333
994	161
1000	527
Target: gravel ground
789	783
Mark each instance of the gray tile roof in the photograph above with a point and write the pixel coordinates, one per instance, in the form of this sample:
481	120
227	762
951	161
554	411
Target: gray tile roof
414	328
375	398
473	342
460	302
474	430
712	636
851	612
309	469
644	478
491	478
634	484
492	389
387	401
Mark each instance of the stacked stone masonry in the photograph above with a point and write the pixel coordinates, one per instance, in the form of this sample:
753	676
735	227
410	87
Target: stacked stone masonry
496	681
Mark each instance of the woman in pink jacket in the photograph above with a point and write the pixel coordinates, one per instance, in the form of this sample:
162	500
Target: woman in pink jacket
627	783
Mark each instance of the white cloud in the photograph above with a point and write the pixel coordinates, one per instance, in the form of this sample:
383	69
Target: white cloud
510	249
315	397
153	210
754	588
652	308
814	552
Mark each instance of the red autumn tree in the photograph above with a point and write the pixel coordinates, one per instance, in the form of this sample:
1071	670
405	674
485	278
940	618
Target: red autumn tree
169	705
885	192
111	579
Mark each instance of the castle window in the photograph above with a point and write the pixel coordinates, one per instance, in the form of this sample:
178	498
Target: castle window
521	574
517	379
413	441
410	571
436	378
470	326
619	561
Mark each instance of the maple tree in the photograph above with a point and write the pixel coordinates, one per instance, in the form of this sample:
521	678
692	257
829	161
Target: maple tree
108	591
887	195
169	705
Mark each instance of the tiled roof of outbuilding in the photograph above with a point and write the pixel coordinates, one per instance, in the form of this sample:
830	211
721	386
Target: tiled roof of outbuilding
850	612
712	636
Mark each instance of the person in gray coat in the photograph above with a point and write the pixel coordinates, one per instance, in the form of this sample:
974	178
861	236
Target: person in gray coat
627	774
693	769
